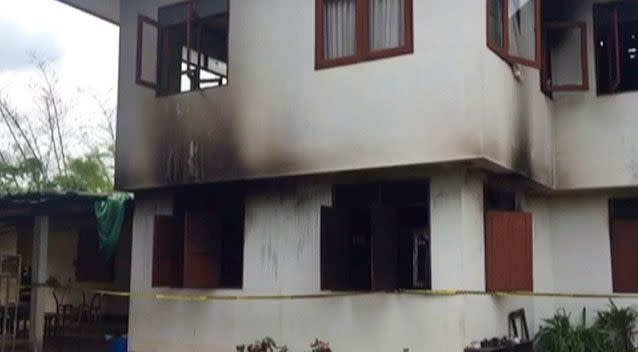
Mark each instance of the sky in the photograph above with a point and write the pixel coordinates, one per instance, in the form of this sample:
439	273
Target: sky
83	49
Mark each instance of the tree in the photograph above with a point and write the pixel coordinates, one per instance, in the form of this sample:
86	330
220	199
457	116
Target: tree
38	158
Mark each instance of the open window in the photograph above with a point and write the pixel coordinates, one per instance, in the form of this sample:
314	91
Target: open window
376	237
351	31
565	57
190	46
513	30
201	247
616	40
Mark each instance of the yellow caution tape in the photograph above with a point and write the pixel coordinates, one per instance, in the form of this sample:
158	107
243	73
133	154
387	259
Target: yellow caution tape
427	293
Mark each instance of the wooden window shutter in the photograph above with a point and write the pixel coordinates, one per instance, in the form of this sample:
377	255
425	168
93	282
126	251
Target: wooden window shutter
508	251
202	250
624	244
336	244
384	249
167	252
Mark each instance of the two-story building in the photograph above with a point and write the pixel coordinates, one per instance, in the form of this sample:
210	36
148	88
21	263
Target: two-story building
303	147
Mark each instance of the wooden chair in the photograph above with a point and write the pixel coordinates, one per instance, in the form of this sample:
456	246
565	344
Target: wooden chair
95	308
63	314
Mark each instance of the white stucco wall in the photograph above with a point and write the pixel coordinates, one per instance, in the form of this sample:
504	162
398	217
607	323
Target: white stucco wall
451	99
282	257
595	140
572	253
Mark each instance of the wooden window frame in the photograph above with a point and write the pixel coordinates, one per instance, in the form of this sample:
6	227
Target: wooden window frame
181	243
614	83
363	52
620	218
545	70
141	21
503	52
191	19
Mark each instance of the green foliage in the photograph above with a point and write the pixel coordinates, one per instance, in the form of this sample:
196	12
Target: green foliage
21	176
615	330
87	174
559	335
619	325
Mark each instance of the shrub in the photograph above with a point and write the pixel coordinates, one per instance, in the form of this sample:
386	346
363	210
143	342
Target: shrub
619	325
559	335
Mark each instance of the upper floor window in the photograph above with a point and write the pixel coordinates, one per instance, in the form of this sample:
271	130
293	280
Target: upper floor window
538	35
351	31
513	30
616	42
191	44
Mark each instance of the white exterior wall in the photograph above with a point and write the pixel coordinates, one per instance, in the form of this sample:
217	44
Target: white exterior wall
452	99
595	135
282	256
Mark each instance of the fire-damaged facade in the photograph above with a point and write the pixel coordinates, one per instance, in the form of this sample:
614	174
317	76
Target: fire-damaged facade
291	149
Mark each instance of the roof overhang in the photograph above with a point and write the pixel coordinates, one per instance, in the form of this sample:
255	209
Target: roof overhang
48	204
108	10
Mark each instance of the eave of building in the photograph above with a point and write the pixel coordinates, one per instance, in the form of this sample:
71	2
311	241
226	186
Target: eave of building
107	10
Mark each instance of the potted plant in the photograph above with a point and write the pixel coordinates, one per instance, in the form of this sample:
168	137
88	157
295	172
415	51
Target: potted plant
320	346
265	345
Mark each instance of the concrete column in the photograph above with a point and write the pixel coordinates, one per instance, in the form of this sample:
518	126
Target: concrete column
456	214
39	276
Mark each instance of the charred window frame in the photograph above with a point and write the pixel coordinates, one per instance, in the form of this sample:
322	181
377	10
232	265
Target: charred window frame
362	45
499	39
376	237
202	245
192	47
616	44
556	33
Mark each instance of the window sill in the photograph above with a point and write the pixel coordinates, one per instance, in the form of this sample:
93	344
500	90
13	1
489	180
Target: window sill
373	56
514	60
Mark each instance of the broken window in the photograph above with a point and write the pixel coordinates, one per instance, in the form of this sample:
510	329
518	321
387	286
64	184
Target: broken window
623	214
376	237
513	30
616	40
191	45
201	247
350	31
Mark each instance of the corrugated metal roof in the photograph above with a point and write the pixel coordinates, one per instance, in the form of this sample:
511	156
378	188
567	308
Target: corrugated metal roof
47	203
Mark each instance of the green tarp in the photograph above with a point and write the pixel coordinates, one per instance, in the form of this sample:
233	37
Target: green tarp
110	214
